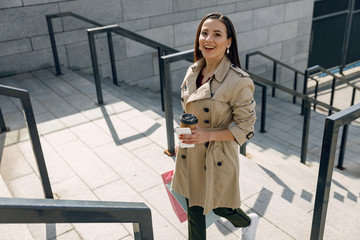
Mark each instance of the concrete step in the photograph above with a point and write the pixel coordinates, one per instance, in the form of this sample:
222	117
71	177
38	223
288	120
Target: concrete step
116	143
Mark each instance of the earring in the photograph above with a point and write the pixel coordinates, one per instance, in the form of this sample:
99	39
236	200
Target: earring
227	51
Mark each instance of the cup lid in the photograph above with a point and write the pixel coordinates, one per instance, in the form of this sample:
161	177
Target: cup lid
188	118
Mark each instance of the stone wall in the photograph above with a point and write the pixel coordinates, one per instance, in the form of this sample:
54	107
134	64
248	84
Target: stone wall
280	28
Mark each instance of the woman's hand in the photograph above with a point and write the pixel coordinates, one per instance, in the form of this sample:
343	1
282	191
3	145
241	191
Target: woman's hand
198	135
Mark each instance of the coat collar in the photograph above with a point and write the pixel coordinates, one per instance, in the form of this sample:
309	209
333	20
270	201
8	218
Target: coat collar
220	71
204	92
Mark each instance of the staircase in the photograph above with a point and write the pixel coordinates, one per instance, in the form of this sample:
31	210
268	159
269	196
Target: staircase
115	152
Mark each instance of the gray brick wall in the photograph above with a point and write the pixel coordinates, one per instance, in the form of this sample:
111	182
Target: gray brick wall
280	28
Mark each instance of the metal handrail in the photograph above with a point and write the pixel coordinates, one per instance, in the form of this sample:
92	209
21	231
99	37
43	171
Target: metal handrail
328	150
333	85
24	97
276	63
121	31
161	48
165	62
20	210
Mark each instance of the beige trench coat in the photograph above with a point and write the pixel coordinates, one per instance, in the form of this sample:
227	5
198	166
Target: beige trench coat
208	174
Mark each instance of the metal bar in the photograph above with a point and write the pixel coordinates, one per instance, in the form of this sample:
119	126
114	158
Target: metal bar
305	133
263	109
112	59
243	149
168	106
275	60
343	147
53	44
247	61
353	97
331	132
95	66
3	127
187	55
316	92
16	210
36	145
324	179
306	77
333	86
258	79
274	78
161	75
295	86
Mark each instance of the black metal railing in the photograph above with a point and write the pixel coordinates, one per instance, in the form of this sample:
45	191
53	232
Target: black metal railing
18	210
167	93
24	97
309	73
318	69
161	48
331	131
276	63
96	70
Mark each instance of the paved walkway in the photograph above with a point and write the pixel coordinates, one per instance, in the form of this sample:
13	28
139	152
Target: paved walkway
115	153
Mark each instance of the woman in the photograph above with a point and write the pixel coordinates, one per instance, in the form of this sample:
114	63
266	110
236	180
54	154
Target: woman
220	94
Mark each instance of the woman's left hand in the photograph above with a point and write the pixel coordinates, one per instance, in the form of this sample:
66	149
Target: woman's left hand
198	135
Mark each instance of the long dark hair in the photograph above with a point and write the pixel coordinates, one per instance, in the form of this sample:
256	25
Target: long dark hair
230	31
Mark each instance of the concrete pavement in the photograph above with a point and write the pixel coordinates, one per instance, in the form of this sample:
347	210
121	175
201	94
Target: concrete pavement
115	153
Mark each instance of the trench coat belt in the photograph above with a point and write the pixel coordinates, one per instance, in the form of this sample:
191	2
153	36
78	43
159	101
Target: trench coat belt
214	129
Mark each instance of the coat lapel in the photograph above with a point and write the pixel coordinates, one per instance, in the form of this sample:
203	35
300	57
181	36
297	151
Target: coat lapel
204	92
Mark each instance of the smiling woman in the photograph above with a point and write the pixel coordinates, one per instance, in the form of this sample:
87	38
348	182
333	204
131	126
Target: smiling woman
220	95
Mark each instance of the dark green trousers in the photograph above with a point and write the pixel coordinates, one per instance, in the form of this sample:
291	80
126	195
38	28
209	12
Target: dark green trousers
196	220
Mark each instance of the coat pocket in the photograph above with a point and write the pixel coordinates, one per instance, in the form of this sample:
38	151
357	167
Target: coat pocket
222	162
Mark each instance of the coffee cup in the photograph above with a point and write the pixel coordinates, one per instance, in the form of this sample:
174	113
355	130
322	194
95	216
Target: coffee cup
188	120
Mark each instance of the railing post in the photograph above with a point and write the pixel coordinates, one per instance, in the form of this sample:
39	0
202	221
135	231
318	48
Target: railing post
95	66
167	92
306	76
333	86
247	59
36	145
353	97
263	109
324	179
295	86
316	93
112	58
343	147
53	45
274	78
161	52
3	127
306	127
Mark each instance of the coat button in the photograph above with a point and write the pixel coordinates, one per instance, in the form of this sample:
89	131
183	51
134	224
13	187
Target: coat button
206	144
183	156
182	99
206	110
219	164
206	121
205	168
